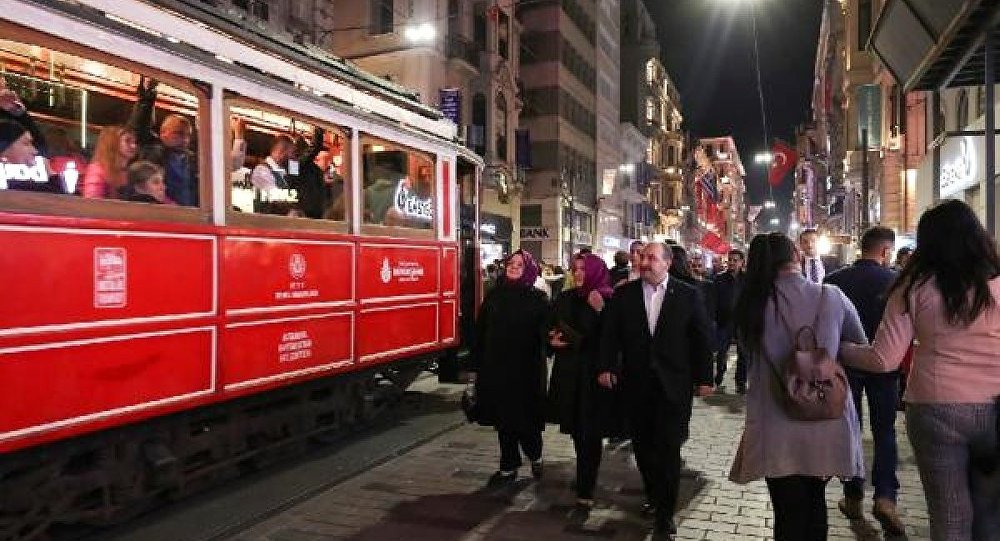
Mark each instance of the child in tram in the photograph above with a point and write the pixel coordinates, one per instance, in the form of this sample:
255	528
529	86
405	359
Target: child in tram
146	184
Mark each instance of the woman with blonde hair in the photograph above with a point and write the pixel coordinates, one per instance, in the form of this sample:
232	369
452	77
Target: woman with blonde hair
107	173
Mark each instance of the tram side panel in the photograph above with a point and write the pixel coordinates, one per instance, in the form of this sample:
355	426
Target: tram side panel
102	327
289	310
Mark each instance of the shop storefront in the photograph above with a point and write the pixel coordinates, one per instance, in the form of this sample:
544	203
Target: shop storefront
494	237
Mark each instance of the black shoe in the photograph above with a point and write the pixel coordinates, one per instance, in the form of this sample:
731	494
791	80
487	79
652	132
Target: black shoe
581	511
537	470
664	531
501	479
647	509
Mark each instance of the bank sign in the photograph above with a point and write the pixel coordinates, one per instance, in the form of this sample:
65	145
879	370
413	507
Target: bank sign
962	162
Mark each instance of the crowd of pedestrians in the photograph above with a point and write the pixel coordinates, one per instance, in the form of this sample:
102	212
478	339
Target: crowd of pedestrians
634	344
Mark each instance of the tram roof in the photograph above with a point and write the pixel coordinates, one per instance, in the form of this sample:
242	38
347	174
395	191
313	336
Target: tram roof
307	57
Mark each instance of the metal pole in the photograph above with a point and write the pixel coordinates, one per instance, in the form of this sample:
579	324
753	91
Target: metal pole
936	151
991	187
865	187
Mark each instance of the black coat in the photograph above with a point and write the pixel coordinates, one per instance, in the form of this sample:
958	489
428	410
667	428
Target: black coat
677	354
727	289
576	402
509	356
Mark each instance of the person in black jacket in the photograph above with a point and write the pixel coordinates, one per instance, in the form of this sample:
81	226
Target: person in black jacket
866	283
314	193
509	361
169	147
619	273
661	331
728	286
577	403
682	270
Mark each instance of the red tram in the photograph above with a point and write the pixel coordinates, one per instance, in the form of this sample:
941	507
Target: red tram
147	349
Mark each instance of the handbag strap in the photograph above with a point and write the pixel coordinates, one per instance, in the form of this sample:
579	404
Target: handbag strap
784	321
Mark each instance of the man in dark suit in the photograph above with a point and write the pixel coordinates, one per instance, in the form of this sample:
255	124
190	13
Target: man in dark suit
659	329
866	284
728	286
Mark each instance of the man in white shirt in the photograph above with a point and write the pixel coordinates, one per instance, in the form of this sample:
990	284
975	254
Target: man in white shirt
812	265
655	345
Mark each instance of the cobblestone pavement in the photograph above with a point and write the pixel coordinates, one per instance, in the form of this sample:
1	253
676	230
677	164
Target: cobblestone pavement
436	492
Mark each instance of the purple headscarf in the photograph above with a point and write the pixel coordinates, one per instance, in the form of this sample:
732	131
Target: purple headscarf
530	273
596	276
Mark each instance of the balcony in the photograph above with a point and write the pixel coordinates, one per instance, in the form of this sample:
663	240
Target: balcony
462	48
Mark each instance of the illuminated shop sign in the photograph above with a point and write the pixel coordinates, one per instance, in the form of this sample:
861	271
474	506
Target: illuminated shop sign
17	171
411	205
959	166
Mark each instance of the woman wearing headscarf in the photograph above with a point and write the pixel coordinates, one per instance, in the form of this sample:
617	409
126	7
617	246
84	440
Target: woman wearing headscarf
509	358
946	298
577	403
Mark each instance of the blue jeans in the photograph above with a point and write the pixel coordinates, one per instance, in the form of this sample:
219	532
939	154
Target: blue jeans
883	394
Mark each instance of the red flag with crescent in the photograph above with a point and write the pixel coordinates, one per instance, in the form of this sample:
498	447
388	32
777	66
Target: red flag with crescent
784	160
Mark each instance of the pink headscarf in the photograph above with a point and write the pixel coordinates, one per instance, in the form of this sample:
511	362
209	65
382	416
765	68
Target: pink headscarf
530	273
596	276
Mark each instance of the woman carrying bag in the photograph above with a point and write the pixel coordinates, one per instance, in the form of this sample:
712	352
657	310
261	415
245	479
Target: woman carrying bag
577	403
794	444
509	361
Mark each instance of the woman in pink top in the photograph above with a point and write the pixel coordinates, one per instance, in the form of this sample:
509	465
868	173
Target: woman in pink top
107	173
946	299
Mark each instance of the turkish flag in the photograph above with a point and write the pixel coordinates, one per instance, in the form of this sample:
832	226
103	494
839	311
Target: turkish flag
784	160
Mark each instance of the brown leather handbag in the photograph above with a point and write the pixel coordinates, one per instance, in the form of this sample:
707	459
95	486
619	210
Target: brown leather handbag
812	386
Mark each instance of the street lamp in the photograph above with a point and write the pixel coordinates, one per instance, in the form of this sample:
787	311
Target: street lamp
764	158
422	33
769	204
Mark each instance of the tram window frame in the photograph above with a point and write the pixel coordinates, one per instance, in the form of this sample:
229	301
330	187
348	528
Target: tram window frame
70	205
398	231
271	221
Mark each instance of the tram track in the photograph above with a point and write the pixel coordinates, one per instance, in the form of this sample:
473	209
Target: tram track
426	412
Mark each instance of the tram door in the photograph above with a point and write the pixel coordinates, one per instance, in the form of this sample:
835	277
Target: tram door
470	279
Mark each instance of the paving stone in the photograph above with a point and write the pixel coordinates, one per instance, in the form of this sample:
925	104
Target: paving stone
436	491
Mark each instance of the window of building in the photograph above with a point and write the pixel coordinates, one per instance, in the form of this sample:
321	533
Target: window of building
479	28
864	23
260	10
96	137
398	185
501	127
503	35
651	71
287	165
477	131
381	17
650	110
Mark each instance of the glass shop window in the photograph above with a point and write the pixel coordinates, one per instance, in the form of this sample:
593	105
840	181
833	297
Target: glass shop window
398	185
76	126
287	166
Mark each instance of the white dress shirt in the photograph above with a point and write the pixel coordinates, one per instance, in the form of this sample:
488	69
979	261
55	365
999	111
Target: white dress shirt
653	296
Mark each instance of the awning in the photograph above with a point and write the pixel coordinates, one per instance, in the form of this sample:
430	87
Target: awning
711	241
934	44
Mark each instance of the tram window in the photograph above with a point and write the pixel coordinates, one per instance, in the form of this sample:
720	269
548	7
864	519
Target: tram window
88	121
398	185
287	166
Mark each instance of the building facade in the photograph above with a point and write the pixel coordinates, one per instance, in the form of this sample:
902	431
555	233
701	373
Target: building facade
465	62
559	75
307	22
609	233
717	176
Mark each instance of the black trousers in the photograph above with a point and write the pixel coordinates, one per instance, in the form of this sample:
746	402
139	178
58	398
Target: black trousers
510	456
588	461
799	504
658	431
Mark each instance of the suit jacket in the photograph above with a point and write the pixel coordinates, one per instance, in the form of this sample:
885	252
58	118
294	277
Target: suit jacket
728	287
677	354
866	284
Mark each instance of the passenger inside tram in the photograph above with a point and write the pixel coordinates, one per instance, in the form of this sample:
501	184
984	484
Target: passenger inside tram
145	183
284	174
74	107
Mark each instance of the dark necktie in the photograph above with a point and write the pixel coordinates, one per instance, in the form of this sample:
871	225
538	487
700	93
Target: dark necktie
813	270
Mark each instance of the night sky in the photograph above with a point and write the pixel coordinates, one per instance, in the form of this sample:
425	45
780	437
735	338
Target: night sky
707	46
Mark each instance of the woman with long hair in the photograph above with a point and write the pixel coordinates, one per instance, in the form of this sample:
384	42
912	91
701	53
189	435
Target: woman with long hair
946	299
509	358
107	173
796	458
577	403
